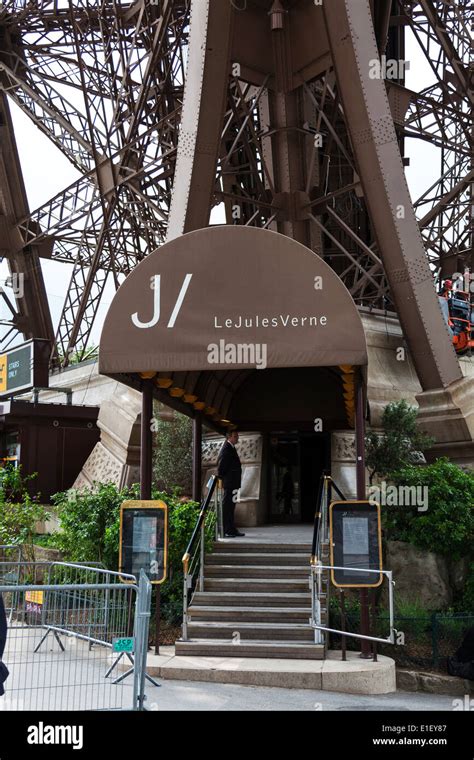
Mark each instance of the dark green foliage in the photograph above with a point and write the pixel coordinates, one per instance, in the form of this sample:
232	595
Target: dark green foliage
394	449
172	456
19	512
467	601
88	518
447	527
79	357
90	521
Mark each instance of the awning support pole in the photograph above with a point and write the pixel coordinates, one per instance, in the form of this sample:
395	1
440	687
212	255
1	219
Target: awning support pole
197	457
146	440
362	495
146	474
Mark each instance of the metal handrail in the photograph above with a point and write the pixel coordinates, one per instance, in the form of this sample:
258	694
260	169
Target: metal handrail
193	558
315	620
321	517
200	522
316	542
320	537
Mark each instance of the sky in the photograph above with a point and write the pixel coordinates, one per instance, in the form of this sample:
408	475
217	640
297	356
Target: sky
46	172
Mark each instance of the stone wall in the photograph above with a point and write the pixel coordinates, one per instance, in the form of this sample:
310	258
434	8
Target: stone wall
425	577
250	510
343	462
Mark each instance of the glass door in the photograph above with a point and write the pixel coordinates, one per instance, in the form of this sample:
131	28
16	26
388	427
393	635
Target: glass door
285	486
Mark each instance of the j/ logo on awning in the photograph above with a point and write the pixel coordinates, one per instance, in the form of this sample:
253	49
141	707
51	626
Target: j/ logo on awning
155	285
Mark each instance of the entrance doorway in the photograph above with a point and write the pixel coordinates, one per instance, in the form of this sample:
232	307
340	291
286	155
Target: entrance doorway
296	462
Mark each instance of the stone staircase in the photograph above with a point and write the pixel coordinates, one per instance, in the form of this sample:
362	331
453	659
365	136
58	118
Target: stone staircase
256	602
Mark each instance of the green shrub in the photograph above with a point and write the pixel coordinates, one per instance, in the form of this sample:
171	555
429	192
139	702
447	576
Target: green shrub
447	527
452	625
19	512
467	601
411	617
87	517
400	439
410	608
182	518
90	523
172	454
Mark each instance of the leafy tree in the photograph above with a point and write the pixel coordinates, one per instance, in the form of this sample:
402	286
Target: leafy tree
467	601
90	524
86	518
172	456
19	512
447	527
77	357
400	440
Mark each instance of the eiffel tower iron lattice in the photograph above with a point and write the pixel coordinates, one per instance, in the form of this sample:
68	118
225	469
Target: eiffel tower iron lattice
177	114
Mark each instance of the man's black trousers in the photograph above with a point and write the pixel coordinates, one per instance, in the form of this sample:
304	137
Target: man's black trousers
228	509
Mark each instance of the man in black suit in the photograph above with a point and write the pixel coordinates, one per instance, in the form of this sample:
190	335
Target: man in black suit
229	470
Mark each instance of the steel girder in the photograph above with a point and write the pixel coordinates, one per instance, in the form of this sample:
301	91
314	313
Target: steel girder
247	140
276	190
370	125
26	308
104	82
201	124
442	114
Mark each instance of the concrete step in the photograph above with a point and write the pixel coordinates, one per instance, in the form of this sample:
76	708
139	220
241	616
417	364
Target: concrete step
259	649
239	599
236	615
280	586
240	558
257	571
259	548
209	629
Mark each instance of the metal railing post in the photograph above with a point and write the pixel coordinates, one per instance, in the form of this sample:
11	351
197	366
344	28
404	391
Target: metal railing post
364	637
316	603
142	623
434	638
203	553
343	624
218	514
185	608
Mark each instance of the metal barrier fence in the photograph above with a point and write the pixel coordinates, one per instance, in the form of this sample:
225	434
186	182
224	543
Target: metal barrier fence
15	569
10	559
71	628
421	642
10	552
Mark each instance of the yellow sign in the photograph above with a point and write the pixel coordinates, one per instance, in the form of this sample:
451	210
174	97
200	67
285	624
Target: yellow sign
3	373
144	539
36	597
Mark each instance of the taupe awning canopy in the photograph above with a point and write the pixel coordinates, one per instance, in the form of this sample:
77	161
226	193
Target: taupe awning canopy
212	307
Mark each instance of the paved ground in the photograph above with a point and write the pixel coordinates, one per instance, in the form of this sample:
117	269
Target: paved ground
74	679
183	696
275	534
56	679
